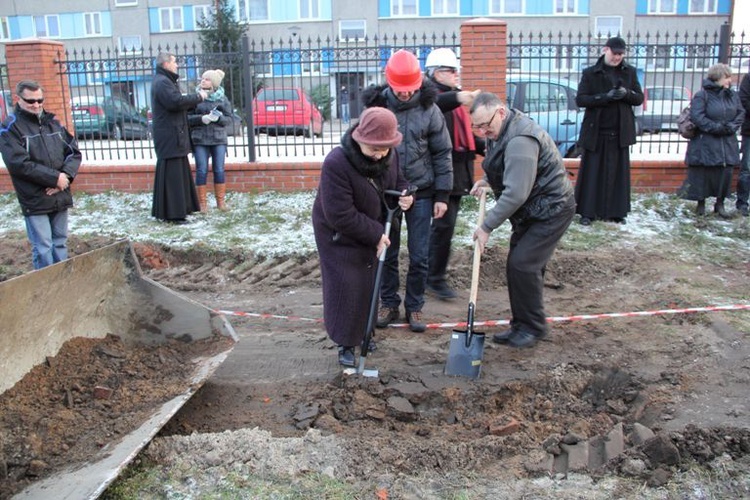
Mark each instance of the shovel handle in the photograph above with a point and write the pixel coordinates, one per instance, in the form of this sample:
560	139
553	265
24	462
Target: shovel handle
477	251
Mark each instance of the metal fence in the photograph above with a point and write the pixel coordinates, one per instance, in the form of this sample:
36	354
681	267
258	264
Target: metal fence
324	68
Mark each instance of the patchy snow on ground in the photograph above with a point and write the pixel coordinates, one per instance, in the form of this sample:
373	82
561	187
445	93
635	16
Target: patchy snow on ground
273	224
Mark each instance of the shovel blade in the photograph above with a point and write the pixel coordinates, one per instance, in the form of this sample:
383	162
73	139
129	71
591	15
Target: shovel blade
464	354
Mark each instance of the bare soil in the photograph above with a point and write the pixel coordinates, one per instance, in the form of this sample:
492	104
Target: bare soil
683	376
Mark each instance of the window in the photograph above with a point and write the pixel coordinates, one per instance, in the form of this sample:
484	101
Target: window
125	3
702	7
506	7
47	26
262	64
403	8
698	56
662	6
309	9
92	23
658	57
353	29
607	26
252	10
566	6
563	58
310	62
202	14
170	19
445	7
542	97
4	29
130	45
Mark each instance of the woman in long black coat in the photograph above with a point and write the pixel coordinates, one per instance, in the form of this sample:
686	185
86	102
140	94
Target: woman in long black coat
174	190
713	153
349	222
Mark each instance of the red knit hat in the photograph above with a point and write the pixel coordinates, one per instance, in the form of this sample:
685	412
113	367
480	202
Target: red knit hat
378	127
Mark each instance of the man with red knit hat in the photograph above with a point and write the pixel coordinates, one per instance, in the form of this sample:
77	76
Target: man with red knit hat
425	159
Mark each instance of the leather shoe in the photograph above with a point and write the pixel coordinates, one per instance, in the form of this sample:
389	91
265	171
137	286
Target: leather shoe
373	346
502	337
441	290
585	221
744	211
416	324
346	356
521	339
386	316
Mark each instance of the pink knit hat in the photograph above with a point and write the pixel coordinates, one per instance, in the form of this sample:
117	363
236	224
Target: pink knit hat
377	127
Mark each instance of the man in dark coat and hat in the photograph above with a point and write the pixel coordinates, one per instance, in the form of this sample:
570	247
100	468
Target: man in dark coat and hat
174	190
608	90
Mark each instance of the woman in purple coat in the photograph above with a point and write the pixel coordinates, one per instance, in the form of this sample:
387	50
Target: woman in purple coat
349	222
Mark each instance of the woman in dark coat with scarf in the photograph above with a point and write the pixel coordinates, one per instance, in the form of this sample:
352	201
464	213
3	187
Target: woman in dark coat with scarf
174	191
349	221
713	153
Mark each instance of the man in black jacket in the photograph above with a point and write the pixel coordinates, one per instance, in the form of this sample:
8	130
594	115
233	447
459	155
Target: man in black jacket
442	70
42	159
425	160
743	182
524	168
174	190
608	90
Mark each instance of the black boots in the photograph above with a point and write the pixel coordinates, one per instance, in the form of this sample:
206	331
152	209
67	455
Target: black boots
346	356
700	210
720	210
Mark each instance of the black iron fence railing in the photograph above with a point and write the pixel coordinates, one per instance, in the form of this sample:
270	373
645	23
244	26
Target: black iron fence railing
292	97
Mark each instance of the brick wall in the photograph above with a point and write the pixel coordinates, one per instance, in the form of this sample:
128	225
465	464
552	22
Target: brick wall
37	59
646	176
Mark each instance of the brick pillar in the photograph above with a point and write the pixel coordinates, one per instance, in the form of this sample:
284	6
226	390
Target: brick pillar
37	59
484	55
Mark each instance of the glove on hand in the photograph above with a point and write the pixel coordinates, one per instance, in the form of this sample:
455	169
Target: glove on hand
617	94
214	115
206	119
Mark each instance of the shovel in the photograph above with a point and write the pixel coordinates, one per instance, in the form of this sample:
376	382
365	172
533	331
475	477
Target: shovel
467	346
390	212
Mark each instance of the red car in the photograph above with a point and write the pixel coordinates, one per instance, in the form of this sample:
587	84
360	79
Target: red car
284	111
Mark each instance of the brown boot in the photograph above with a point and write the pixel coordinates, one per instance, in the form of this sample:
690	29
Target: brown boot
221	192
202	197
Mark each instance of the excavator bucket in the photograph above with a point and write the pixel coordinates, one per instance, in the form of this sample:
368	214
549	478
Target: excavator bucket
93	295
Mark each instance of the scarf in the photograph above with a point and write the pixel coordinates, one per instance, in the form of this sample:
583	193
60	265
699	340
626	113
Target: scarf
463	137
367	167
216	95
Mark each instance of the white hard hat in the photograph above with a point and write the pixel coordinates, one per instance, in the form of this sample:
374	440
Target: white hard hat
441	57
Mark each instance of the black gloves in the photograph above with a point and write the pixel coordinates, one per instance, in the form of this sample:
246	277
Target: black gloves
617	93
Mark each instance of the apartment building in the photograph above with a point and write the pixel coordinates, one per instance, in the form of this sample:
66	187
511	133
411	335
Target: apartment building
129	25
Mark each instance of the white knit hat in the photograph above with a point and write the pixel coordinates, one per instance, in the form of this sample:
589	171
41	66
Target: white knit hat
215	75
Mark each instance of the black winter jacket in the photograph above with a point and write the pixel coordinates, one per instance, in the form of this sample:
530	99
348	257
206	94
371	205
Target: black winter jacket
215	132
35	150
169	106
745	100
425	152
718	114
592	95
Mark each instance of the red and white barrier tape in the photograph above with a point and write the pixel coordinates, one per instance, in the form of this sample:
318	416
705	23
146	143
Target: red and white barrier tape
499	322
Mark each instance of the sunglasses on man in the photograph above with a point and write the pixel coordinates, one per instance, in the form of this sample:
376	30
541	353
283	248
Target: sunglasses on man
32	101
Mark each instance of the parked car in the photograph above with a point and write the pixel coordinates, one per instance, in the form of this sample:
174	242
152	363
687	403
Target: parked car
108	116
551	102
662	106
6	104
286	110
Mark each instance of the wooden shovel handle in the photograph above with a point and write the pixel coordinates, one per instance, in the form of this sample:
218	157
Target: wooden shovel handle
477	251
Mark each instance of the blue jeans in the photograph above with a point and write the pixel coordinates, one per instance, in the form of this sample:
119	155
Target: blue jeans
48	235
217	153
345	113
743	182
418	220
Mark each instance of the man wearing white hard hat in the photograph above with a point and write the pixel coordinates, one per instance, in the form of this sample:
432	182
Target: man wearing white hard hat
442	70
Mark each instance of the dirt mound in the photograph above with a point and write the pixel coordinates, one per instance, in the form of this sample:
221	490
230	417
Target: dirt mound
556	409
